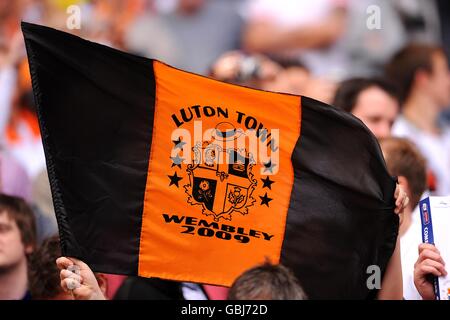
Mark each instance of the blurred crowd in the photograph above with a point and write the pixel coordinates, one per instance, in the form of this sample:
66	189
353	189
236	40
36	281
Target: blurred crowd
384	61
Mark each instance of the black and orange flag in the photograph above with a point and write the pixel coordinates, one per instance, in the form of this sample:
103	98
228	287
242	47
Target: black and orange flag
162	173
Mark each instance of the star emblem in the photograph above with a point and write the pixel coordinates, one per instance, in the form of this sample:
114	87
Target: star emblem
174	180
269	166
267	183
265	200
178	143
176	161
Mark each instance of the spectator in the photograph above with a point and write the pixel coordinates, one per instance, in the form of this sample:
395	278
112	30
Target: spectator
368	45
280	75
23	137
376	29
17	242
256	71
423	79
373	101
295	78
420	20
267	282
190	34
404	161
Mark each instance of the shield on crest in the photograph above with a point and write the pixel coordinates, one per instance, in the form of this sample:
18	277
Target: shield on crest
221	187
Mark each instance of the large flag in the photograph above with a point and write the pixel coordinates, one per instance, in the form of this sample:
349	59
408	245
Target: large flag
162	173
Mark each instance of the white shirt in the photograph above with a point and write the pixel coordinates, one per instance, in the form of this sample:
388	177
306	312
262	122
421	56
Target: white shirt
435	149
192	291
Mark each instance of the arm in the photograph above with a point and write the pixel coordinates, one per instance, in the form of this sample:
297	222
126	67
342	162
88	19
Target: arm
392	284
263	36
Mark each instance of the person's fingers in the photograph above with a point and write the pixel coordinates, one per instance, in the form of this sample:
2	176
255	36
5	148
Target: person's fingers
63	263
81	264
405	201
434	264
397	205
400	199
401	202
64	286
227	66
425	270
70	284
430	254
428	246
64	274
397	191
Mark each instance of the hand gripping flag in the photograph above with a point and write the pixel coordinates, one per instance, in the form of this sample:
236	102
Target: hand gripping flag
162	173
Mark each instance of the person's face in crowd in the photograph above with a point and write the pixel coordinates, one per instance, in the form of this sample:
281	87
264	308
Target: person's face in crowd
290	80
438	85
377	110
263	75
12	249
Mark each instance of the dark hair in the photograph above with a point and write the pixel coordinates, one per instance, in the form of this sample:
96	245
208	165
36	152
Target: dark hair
267	282
349	90
43	274
18	210
405	63
404	159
